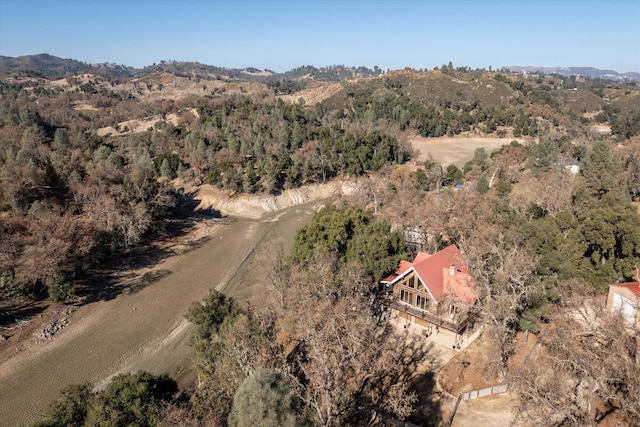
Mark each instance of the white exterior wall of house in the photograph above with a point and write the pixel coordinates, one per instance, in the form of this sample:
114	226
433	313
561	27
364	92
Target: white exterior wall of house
627	308
624	298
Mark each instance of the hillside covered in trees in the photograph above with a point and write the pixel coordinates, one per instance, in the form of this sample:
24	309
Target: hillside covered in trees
89	165
71	166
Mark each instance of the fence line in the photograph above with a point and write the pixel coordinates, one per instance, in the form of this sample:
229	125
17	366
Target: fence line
474	394
500	388
455	409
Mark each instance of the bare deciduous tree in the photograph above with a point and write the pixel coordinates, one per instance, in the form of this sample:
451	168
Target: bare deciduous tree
586	373
345	366
502	270
550	194
339	361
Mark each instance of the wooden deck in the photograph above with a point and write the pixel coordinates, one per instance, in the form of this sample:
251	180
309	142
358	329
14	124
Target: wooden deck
440	321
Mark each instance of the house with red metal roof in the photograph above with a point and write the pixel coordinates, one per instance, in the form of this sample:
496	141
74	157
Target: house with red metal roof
624	298
434	291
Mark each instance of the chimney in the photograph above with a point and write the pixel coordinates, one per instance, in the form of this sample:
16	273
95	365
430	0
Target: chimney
452	270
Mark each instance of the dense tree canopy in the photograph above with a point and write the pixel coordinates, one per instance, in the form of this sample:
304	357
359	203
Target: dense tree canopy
353	235
67	155
264	399
134	399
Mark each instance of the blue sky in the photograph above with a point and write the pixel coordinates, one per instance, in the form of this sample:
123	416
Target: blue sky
281	35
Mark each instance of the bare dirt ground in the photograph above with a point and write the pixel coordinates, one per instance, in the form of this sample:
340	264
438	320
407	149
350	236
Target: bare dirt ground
141	125
494	411
443	378
313	95
454	150
468	371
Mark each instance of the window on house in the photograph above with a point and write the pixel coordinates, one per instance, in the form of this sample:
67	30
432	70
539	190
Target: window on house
422	302
406	297
452	311
412	282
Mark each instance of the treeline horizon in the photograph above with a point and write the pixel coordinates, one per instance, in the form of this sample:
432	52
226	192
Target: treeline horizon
47	65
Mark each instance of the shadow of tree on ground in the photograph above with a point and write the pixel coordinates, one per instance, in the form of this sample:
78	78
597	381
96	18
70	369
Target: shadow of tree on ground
115	273
420	359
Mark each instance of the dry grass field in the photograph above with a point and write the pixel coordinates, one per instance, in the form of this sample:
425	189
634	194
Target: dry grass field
454	150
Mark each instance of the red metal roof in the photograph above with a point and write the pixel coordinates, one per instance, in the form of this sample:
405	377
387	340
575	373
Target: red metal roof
404	266
632	286
421	257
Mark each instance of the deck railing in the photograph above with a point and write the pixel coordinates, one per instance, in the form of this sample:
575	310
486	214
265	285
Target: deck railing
440	321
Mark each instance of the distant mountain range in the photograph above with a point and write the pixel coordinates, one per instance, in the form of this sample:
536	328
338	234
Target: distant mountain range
46	65
49	66
590	72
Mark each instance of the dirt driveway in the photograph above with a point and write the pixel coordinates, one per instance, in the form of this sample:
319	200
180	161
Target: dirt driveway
144	329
